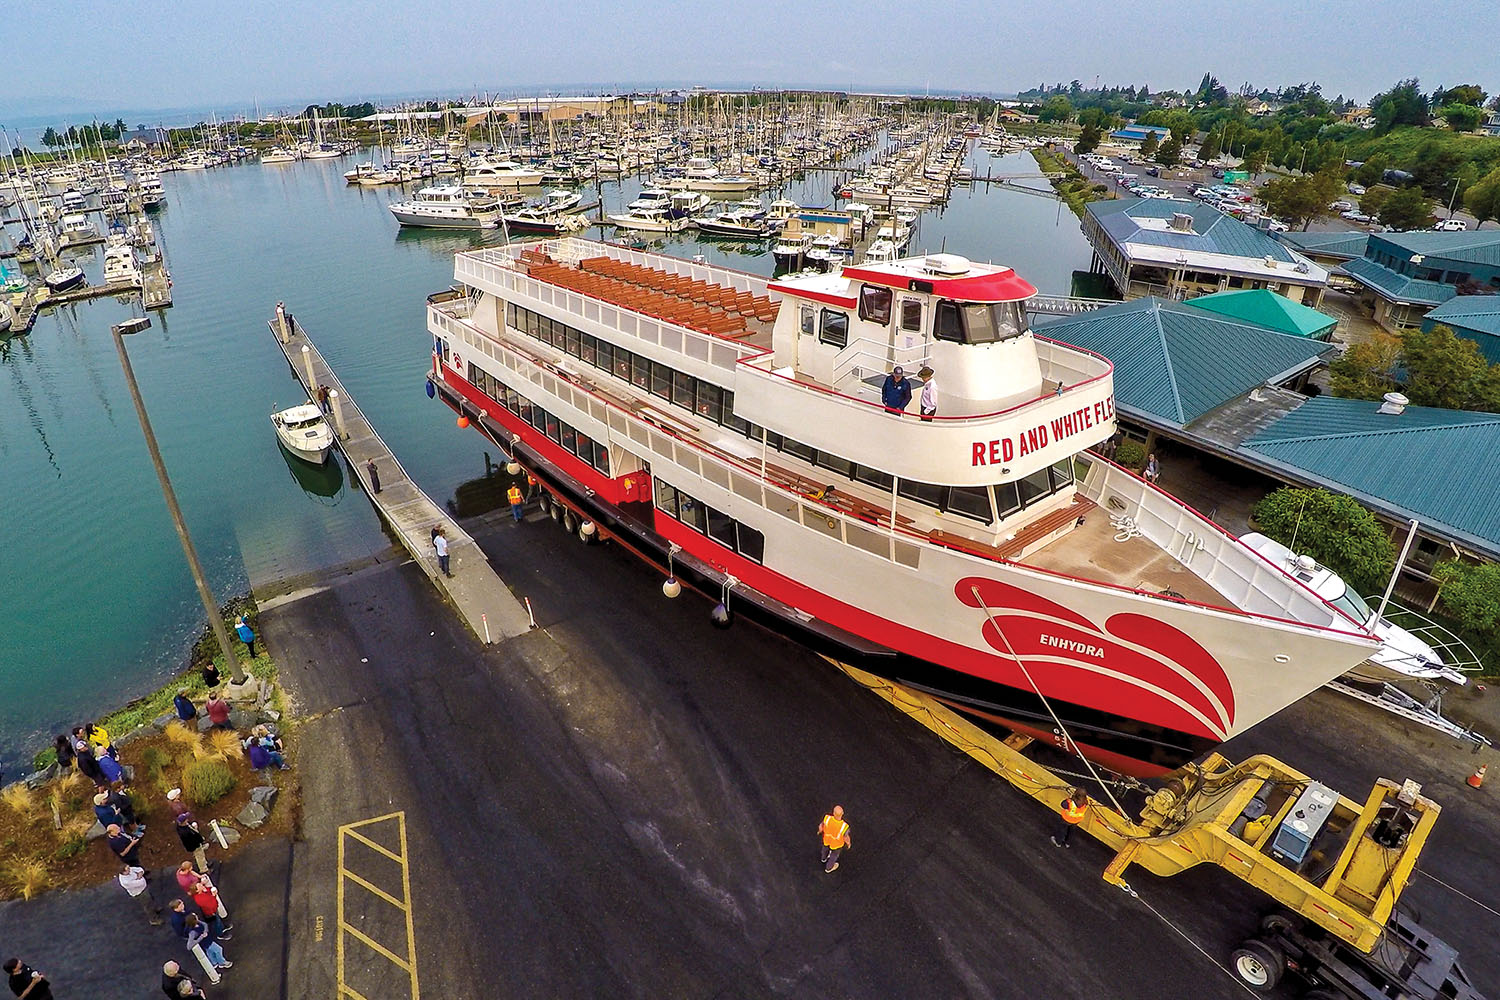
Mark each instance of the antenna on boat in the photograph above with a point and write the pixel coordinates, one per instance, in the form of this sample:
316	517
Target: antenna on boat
1295	526
1072	744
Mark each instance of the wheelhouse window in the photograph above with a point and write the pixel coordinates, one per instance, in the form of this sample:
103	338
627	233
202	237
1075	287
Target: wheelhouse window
833	328
971	501
875	304
978	322
808	319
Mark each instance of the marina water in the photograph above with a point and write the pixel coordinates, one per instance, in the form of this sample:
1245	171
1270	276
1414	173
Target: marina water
98	605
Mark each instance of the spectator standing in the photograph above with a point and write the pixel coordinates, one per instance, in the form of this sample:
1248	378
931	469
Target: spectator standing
120	799
126	847
927	404
1153	469
262	757
174	802
187	879
206	898
192	839
186	710
514	496
896	392
374	474
218	711
200	935
26	982
246	634
835	834
440	544
106	811
133	881
177	916
175	984
87	765
65	754
210	675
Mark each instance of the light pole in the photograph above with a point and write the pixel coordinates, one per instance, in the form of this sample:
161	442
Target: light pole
1453	197
215	620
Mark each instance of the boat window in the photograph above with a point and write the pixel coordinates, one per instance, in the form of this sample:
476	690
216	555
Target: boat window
1062	474
834	328
807	321
802	451
1035	486
584	448
640	371
601	459
574	345
752	544
710	403
875	304
873	477
511	319
1007	498
911	315
682	389
730	420
947	325
526	410
661	380
569	440
539	418
1353	605
694	514
554	428
833	463
970	501
666	497
928	493
721	527
604	357
589	349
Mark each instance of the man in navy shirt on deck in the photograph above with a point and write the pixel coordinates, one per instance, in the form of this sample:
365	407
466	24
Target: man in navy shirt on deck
896	393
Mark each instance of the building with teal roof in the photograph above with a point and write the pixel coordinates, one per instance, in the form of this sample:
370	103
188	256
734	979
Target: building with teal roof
1270	310
1177	249
1407	275
1473	317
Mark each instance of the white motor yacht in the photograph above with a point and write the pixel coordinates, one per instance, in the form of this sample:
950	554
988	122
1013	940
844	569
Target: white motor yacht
447	207
153	195
790	251
702	175
651	220
734	224
881	250
64	277
120	265
689	204
303	432
652	198
1402	655
482	175
77	228
279	154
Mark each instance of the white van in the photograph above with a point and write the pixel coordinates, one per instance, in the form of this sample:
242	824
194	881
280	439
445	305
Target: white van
1451	226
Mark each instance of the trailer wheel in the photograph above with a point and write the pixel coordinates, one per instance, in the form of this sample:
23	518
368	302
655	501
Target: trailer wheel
544	501
1276	924
570	522
1258	965
556	511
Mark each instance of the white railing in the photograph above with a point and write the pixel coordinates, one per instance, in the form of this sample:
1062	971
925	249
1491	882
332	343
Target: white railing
865	355
1245	579
1065	305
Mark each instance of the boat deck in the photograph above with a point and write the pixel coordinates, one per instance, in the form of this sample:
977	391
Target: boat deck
1090	551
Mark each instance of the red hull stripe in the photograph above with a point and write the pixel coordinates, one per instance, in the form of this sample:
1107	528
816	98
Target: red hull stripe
802	293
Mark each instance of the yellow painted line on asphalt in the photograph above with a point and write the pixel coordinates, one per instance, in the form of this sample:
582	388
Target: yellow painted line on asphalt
408	964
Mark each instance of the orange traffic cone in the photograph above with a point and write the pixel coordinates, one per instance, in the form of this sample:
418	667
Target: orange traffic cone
1477	778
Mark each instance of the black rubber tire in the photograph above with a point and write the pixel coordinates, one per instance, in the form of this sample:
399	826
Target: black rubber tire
588	539
570	522
1258	964
556	511
544	501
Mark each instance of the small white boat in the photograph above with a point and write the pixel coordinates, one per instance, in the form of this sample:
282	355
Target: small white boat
447	207
881	250
734	224
303	432
650	220
789	251
279	154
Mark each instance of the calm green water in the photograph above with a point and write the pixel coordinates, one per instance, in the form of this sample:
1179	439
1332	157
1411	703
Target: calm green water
98	606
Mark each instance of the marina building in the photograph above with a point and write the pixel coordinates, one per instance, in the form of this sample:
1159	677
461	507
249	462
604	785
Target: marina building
1181	249
1137	133
1473	317
1270	310
1406	275
1330	251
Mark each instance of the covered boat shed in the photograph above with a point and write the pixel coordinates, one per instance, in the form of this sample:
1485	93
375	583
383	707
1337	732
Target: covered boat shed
1268	309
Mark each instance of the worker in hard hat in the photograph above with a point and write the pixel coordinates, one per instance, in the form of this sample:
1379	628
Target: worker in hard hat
514	496
1074	808
835	834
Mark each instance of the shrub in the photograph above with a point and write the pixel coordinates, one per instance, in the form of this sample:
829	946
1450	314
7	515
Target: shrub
73	845
207	780
19	799
29	876
1130	454
1332	528
182	734
226	743
1471	593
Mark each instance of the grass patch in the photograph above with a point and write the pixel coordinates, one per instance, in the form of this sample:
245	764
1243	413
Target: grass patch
1075	189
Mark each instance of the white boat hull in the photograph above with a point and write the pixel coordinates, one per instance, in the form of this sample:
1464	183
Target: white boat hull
417	220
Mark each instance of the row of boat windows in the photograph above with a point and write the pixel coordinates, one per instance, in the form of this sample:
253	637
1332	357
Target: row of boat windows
571	439
959	323
704	519
716	403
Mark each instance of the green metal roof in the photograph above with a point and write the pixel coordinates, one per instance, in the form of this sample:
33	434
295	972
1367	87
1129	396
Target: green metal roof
1397	287
1266	308
1480	313
1212	232
1176	363
1472	247
1434	465
1345	244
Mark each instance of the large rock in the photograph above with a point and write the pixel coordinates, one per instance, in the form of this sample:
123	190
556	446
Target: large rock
39	778
242	720
252	816
231	835
269	715
161	722
95	832
204	722
264	794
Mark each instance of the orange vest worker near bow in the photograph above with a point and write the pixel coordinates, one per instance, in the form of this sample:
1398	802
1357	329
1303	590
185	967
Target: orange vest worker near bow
835	834
1074	808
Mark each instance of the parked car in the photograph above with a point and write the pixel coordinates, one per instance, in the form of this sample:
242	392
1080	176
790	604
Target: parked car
1355	215
1342	206
1154	171
1356	189
1451	226
1277	226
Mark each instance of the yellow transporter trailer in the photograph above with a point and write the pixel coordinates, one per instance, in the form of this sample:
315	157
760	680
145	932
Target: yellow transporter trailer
1330	860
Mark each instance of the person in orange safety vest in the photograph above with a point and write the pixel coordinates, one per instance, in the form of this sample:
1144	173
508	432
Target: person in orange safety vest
1074	808
835	834
514	496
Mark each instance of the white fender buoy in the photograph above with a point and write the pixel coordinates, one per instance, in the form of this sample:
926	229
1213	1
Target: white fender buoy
670	587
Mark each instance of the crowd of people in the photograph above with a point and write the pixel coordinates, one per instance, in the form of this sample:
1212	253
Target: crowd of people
197	917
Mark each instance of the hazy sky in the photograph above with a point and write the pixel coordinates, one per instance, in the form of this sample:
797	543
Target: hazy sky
125	54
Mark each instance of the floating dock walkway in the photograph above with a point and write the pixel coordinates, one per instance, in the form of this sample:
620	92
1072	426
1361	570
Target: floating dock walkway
475	589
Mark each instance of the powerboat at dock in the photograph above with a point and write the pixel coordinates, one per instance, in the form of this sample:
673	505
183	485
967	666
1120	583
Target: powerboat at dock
447	207
303	432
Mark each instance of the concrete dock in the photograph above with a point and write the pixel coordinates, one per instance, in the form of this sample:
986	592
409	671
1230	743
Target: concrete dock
481	598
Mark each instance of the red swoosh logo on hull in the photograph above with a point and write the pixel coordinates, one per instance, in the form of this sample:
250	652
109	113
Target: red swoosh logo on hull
1134	665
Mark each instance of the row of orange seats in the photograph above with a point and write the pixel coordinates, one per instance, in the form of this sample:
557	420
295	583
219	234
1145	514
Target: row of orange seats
682	286
698	316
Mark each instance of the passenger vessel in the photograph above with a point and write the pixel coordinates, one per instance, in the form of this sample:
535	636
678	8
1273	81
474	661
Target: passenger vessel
734	431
